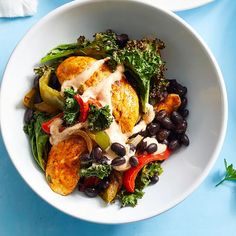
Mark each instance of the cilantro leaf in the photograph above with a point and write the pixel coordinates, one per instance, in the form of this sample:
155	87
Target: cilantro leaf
230	173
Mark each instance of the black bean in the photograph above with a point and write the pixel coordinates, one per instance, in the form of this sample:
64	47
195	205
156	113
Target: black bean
176	117
28	115
103	160
119	149
118	161
167	123
174	145
142	146
154	179
184	102
91	192
165	141
37	97
97	153
54	83
133	161
181	128
103	184
162	135
153	128
85	158
122	39
160	115
184	140
36	82
181	90
132	147
185	113
151	148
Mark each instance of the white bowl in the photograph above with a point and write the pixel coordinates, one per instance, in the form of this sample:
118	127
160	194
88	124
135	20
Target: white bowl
188	60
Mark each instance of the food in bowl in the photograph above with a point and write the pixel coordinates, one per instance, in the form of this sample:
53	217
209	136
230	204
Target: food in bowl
101	116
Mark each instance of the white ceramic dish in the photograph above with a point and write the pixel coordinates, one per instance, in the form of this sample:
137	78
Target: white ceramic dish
188	60
179	5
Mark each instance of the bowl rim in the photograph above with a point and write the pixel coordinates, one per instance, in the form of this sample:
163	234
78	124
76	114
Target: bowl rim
211	58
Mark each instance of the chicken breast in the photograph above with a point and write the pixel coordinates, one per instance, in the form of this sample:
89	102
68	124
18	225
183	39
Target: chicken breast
125	103
62	170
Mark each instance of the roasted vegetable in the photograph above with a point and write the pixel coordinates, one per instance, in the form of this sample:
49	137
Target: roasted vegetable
131	174
142	60
101	138
109	194
48	94
98	170
38	139
171	103
28	100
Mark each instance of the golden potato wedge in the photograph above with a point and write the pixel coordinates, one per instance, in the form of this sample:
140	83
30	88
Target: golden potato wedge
125	105
124	98
170	104
73	66
63	165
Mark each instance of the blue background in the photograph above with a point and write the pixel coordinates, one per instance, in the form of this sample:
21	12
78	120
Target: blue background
207	211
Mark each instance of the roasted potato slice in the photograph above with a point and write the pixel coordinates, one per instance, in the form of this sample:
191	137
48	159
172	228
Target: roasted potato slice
124	98
63	165
73	66
170	104
125	105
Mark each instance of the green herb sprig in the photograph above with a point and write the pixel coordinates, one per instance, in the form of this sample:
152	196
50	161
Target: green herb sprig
230	173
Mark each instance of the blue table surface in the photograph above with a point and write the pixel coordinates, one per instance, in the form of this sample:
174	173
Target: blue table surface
207	211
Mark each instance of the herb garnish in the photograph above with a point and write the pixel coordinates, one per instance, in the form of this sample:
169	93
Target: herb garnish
230	173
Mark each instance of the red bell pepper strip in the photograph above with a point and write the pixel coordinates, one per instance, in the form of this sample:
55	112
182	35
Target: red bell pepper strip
46	125
131	174
84	108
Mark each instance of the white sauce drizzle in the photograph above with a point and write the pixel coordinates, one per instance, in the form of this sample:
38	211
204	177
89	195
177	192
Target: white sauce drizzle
160	147
57	136
103	93
82	77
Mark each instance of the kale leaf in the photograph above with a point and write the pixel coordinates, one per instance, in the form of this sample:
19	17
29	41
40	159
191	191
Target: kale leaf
130	199
230	173
60	51
148	172
38	138
143	61
99	118
103	45
71	108
98	170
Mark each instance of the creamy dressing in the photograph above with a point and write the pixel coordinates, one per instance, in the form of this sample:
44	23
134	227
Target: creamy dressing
129	153
160	147
103	93
57	136
147	118
82	77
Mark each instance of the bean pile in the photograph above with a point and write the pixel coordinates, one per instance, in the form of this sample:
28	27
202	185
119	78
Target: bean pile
170	129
